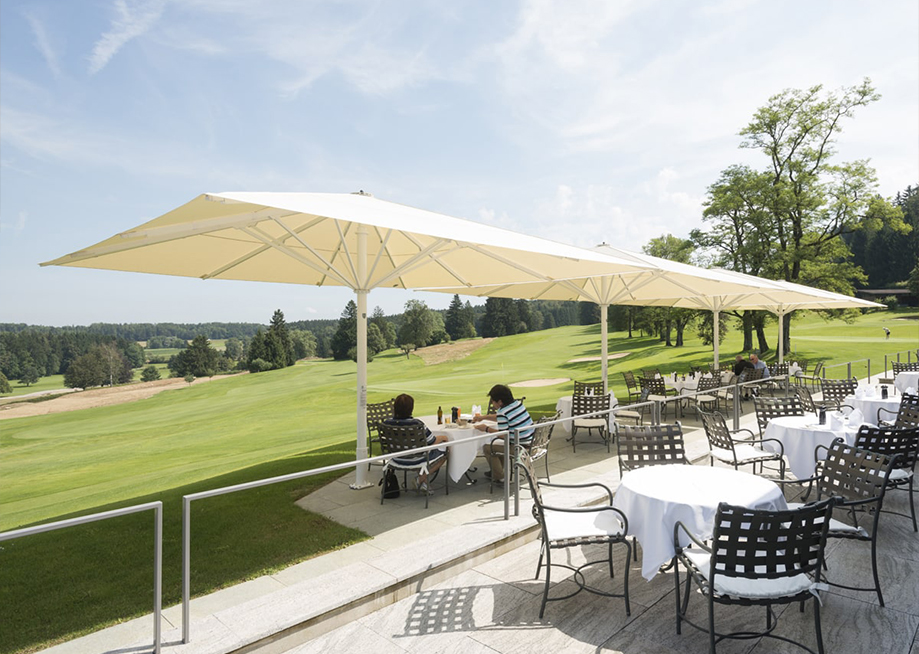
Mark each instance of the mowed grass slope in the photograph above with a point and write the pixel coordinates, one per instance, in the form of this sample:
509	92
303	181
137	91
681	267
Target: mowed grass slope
62	463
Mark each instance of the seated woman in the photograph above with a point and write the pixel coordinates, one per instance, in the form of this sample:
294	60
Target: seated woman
403	406
510	414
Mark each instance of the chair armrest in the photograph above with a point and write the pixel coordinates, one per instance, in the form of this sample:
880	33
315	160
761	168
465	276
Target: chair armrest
591	509
745	440
679	526
885	411
806	480
603	486
768	440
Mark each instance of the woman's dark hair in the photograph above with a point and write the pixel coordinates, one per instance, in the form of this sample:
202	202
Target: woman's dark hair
502	393
403	406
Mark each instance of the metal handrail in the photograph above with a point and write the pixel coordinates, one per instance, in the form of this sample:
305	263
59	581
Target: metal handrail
188	499
157	508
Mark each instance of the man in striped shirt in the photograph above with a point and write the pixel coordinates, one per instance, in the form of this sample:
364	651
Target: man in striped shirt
509	414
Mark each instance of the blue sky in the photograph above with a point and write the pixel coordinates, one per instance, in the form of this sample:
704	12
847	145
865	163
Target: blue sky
580	122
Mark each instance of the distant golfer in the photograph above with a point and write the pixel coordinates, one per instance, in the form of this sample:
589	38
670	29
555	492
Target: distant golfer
887	331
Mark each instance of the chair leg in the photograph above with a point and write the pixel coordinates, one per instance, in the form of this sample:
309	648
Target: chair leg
711	623
625	582
676	593
545	593
542	551
912	505
546	457
874	566
817	628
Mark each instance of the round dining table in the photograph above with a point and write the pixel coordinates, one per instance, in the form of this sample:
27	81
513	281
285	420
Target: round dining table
869	406
800	436
655	498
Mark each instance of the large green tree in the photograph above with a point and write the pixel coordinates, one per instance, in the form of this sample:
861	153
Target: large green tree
198	359
797	209
459	322
346	335
417	324
673	248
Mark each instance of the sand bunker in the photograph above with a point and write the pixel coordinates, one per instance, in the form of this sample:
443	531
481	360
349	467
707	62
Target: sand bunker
531	383
618	355
434	354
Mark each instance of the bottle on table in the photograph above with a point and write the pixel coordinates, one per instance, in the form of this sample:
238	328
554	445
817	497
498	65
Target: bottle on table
440	416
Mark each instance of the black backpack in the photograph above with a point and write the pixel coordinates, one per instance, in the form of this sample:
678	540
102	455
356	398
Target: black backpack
390	485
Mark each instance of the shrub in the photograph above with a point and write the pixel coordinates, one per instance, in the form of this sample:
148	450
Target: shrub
149	374
259	365
891	301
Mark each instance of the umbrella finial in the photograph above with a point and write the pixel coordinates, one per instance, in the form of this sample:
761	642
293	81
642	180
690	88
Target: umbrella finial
362	192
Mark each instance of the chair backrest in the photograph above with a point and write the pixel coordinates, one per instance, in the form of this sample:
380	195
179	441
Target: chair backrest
807	400
655	385
753	374
630	382
582	388
891	441
853	474
542	434
524	463
908	413
904	366
768	408
779	370
818	368
717	432
802	364
651	373
787	543
650	445
583	404
398	438
709	383
836	390
377	413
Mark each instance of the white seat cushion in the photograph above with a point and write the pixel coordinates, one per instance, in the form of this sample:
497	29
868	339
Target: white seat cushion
587	423
744	452
900	474
837	527
704	398
751	588
563	525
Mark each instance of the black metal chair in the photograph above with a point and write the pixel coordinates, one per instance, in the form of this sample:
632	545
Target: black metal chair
737	452
768	408
806	399
564	527
899	366
893	442
834	391
907	415
584	405
654	390
376	414
631	386
705	394
778	377
857	478
395	439
588	388
813	378
650	445
539	445
783	565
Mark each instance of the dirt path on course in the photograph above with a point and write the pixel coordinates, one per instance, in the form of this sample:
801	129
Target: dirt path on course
96	397
434	354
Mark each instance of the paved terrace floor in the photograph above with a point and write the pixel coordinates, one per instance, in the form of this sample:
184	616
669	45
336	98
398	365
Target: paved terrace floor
458	578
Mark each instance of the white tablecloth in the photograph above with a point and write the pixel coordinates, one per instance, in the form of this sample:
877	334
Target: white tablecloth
654	499
563	406
800	435
690	384
907	379
869	406
462	455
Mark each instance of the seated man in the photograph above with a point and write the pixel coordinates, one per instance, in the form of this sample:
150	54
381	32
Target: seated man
760	365
510	414
403	406
741	366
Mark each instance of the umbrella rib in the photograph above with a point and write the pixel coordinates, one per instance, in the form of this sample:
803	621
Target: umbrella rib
436	259
256	233
508	262
567	283
264	248
343	245
315	253
408	265
384	241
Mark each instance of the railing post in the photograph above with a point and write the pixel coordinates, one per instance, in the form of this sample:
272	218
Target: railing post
507	481
869	371
514	472
736	404
157	578
656	413
849	370
186	569
885	365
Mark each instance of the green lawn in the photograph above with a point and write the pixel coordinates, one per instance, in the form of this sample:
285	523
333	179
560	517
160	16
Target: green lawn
253	426
52	382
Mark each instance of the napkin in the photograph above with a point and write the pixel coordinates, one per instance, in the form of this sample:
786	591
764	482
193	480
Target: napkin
910	390
856	418
860	393
836	420
870	392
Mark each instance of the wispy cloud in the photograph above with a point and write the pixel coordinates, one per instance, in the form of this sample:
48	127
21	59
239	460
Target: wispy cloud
132	19
17	226
43	43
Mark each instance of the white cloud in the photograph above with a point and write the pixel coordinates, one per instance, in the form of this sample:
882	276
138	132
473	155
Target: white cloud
133	19
17	226
43	43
